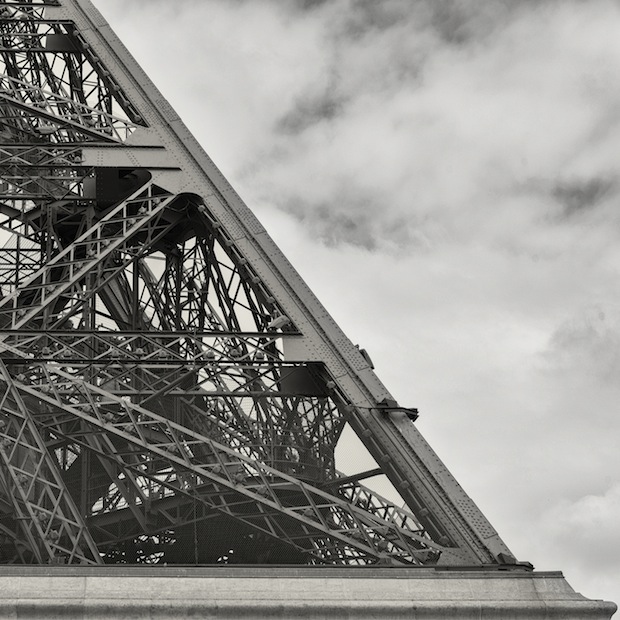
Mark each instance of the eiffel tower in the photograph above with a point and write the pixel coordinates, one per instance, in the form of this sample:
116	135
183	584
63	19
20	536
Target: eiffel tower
172	393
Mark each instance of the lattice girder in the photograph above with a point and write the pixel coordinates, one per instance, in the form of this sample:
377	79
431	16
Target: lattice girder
49	522
54	84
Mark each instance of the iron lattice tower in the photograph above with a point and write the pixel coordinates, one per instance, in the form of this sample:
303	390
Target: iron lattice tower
171	391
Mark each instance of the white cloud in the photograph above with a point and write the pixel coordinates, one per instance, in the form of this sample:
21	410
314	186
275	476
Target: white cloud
584	536
588	525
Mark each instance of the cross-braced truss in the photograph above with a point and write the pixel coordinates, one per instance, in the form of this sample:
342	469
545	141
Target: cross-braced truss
160	399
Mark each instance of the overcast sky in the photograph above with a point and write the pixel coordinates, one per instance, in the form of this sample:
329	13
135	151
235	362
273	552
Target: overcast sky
445	176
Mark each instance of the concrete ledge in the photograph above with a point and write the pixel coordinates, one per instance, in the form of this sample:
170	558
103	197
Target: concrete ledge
310	593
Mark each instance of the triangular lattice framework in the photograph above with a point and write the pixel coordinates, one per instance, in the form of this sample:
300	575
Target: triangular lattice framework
171	390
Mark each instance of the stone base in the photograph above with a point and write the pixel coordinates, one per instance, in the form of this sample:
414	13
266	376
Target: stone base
309	593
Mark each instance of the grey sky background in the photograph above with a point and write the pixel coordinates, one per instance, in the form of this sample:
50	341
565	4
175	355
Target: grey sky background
445	176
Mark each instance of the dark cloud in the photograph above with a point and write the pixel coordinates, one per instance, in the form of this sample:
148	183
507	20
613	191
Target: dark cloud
309	5
309	110
456	22
367	16
576	195
358	226
333	227
460	22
